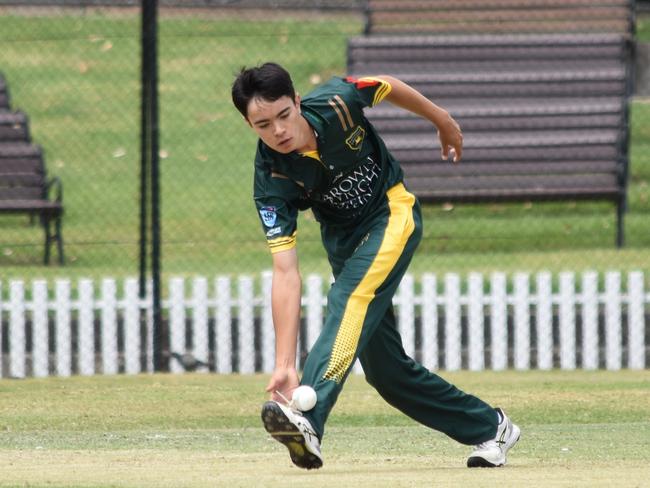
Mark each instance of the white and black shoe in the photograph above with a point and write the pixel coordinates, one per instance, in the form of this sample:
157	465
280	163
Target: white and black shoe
292	429
492	453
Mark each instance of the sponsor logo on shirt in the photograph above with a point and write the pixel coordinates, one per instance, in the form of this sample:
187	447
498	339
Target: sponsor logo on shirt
269	216
274	231
354	189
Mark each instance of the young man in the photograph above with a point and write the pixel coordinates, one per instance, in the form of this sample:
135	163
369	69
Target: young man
322	153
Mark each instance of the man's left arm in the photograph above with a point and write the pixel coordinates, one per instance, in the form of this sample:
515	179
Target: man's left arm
408	98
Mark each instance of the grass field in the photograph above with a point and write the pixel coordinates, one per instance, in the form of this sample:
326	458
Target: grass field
76	75
579	429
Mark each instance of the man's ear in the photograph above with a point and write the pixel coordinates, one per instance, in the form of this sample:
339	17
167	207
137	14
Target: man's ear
297	101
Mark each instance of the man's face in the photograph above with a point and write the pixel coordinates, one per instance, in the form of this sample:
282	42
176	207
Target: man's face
277	123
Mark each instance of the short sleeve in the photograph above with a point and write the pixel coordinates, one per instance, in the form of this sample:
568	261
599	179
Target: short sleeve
274	196
370	91
279	222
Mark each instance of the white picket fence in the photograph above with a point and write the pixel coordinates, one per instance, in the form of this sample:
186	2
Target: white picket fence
522	321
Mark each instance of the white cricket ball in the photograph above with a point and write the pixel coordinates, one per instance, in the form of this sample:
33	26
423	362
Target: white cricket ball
304	398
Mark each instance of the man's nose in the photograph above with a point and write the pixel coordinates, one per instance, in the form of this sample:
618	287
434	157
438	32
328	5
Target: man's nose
278	129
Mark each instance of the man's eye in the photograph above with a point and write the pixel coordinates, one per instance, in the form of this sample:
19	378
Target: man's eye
284	116
263	126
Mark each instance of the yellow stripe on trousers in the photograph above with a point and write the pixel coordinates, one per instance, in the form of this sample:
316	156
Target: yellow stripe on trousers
399	229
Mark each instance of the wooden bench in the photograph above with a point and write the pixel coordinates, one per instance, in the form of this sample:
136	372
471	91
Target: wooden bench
544	116
25	189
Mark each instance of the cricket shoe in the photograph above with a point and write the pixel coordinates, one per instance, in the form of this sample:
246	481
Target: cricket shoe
492	453
292	429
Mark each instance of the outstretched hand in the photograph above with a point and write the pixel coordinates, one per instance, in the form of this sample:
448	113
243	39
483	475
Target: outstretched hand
284	381
451	139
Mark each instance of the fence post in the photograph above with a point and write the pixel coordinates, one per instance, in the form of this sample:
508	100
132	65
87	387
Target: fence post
63	332
109	327
452	322
17	329
429	321
406	314
223	329
499	334
245	331
176	323
268	333
636	326
544	319
567	321
86	362
522	322
613	320
200	341
590	320
132	341
40	330
475	333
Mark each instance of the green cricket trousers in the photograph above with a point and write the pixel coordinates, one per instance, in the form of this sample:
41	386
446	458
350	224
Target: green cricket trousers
368	263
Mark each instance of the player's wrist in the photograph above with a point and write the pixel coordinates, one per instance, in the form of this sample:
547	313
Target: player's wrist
285	364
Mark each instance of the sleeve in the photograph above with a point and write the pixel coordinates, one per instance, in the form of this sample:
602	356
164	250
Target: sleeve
369	91
273	194
279	223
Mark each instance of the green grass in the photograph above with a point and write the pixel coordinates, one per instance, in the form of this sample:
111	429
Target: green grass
578	429
76	75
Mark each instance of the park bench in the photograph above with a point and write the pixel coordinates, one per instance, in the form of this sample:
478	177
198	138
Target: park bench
24	185
25	189
544	115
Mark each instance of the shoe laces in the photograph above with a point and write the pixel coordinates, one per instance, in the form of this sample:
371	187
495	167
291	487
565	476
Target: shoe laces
288	403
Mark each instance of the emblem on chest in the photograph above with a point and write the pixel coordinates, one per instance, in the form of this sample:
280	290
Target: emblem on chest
355	139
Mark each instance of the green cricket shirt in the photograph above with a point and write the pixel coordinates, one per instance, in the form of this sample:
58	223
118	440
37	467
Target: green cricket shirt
344	181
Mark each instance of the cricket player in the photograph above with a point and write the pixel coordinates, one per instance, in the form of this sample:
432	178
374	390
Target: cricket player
321	152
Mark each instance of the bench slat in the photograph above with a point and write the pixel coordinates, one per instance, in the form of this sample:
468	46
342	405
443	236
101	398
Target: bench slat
488	140
517	195
21	180
541	153
569	89
452	54
21	193
29	205
588	14
525	40
19	150
18	165
509	184
13	127
492	168
467	123
410	27
509	107
486	4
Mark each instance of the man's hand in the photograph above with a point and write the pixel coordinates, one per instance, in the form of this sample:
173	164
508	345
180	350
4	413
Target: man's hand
451	139
284	380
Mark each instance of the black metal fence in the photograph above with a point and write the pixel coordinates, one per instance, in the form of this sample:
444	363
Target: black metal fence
71	70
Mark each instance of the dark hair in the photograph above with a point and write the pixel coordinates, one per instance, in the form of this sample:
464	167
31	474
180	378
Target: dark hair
269	81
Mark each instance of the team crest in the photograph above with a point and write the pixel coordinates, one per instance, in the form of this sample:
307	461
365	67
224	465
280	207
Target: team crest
269	216
356	138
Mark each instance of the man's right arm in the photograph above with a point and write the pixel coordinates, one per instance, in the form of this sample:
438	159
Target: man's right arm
285	301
